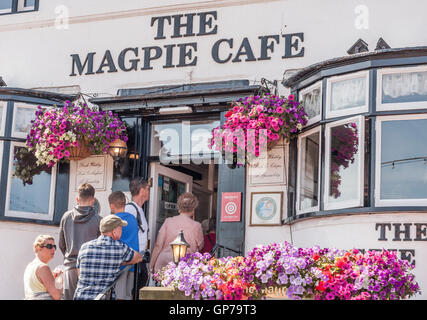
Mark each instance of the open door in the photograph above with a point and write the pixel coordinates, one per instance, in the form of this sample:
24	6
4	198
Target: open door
168	185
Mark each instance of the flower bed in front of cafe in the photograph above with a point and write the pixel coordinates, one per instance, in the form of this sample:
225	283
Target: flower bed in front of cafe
313	273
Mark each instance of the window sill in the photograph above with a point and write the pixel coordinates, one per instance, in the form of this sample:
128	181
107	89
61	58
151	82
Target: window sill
351	211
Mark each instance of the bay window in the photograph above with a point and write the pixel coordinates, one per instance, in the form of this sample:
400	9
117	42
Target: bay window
311	97
401	160
35	201
402	88
347	94
344	163
308	171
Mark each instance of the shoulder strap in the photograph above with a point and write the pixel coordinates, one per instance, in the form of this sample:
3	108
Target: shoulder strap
138	216
210	240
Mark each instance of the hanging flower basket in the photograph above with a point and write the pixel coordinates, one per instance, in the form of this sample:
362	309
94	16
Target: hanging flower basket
73	132
79	152
257	123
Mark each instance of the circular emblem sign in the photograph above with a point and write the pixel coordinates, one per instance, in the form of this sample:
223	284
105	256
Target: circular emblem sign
266	208
230	208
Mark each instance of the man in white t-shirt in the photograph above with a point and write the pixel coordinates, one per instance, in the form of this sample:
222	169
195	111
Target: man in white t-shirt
140	192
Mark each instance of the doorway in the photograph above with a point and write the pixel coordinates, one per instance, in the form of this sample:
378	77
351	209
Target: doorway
170	181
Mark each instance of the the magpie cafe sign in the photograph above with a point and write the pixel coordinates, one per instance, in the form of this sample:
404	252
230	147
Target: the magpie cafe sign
188	26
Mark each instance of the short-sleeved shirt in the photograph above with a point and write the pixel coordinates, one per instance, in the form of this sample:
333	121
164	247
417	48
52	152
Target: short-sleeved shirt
142	236
130	232
99	262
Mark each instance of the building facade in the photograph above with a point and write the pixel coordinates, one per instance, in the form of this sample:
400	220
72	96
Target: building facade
355	177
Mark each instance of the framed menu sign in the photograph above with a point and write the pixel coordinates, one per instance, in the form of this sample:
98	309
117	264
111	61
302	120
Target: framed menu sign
91	170
269	167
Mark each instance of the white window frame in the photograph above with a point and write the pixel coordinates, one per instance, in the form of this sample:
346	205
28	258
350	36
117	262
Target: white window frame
350	111
23	214
7	10
15	108
299	172
401	105
391	202
314	86
361	153
3	121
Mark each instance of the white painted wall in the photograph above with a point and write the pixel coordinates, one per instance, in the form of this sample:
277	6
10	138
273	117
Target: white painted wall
16	252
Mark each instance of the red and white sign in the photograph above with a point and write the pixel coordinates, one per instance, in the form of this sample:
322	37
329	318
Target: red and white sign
231	206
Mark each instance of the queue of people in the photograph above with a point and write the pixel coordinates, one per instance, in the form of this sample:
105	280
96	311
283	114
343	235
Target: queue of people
96	249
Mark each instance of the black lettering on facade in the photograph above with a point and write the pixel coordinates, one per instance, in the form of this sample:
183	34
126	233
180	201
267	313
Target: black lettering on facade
80	67
291	43
148	57
245	50
133	62
107	61
160	26
398	232
215	50
267	46
382	230
421	230
186	51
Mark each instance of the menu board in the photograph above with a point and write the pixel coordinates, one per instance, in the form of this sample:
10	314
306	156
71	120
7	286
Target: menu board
91	170
268	168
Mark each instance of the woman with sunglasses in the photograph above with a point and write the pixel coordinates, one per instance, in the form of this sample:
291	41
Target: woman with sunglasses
39	281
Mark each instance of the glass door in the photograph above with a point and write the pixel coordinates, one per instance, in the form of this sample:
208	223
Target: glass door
168	185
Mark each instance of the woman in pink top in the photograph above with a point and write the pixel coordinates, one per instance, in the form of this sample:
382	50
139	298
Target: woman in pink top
193	234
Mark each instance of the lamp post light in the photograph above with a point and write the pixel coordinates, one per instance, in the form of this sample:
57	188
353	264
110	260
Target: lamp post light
118	150
179	247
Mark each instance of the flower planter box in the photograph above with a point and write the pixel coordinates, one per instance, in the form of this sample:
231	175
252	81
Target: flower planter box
161	293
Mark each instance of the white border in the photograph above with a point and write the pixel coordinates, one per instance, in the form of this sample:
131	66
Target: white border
299	172
361	152
314	86
350	111
3	118
29	215
391	202
15	107
400	105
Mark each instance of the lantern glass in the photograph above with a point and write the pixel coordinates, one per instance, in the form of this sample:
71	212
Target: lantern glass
118	149
179	247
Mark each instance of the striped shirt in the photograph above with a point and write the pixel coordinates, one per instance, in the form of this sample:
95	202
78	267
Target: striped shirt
99	262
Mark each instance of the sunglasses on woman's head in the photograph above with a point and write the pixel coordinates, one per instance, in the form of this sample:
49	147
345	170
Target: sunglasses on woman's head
49	246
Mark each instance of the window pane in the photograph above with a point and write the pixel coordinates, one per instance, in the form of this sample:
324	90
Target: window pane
404	159
312	102
182	138
404	87
5	4
29	3
309	172
344	163
22	120
348	94
30	198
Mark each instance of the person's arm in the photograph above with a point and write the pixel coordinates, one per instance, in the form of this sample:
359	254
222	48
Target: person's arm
200	239
61	243
161	238
137	257
45	276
